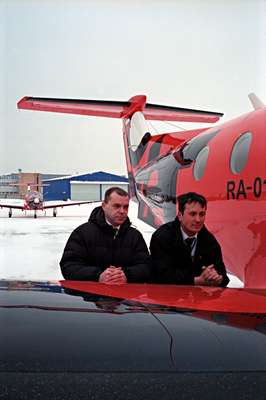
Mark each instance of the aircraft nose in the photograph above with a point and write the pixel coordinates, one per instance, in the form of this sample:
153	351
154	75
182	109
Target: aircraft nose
36	200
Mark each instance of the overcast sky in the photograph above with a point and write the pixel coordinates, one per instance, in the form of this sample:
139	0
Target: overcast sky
206	54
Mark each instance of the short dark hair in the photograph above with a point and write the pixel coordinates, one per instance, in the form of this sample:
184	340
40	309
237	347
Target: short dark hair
188	198
117	190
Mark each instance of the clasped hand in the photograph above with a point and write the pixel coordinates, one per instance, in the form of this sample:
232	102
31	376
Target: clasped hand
209	277
113	276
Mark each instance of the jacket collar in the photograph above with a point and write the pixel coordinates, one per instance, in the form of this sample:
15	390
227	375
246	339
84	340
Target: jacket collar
97	217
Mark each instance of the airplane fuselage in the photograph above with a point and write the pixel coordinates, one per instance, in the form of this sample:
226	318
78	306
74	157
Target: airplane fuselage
229	170
33	201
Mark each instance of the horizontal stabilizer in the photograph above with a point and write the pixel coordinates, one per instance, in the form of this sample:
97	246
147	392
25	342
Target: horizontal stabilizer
118	109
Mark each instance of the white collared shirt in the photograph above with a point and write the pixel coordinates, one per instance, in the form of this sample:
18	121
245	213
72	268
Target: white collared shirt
109	223
114	227
185	236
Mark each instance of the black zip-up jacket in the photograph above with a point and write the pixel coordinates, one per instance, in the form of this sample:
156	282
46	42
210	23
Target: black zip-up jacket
95	245
171	259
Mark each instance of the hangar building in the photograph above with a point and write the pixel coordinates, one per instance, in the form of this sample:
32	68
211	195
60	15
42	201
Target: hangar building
15	185
82	187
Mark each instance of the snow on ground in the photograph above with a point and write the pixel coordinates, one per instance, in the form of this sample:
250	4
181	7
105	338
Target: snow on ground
31	248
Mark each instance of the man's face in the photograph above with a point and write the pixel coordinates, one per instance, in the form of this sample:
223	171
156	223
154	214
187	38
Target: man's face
193	218
116	209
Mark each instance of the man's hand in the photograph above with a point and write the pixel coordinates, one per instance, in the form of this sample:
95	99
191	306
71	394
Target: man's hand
208	277
113	276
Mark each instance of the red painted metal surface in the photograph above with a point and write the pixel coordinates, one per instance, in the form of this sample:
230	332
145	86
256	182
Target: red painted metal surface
181	297
117	109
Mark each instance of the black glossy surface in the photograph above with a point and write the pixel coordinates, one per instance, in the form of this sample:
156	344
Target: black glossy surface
44	329
79	336
200	344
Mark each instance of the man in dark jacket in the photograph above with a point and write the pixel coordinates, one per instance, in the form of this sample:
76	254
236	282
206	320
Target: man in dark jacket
183	251
106	248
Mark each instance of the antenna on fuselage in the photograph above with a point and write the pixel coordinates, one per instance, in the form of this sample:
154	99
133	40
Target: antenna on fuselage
255	101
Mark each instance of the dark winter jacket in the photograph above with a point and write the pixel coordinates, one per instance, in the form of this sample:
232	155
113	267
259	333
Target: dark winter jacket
171	259
95	245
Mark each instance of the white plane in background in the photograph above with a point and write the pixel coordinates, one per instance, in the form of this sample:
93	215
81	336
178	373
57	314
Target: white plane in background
33	200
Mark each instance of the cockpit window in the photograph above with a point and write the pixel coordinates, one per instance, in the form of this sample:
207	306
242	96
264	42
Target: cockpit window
138	130
138	137
200	163
240	151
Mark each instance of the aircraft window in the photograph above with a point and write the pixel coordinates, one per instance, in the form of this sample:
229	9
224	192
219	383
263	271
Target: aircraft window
239	155
191	150
200	163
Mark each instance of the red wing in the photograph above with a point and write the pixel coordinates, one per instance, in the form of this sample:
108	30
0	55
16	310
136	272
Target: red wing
11	206
118	109
68	204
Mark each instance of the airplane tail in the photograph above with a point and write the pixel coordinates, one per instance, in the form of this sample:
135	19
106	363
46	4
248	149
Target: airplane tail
118	109
256	102
136	135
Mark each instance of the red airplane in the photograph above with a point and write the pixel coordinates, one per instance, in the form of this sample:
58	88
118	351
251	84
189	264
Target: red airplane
33	200
226	163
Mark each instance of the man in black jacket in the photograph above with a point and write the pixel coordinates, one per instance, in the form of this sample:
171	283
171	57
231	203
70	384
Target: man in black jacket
106	248
183	251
